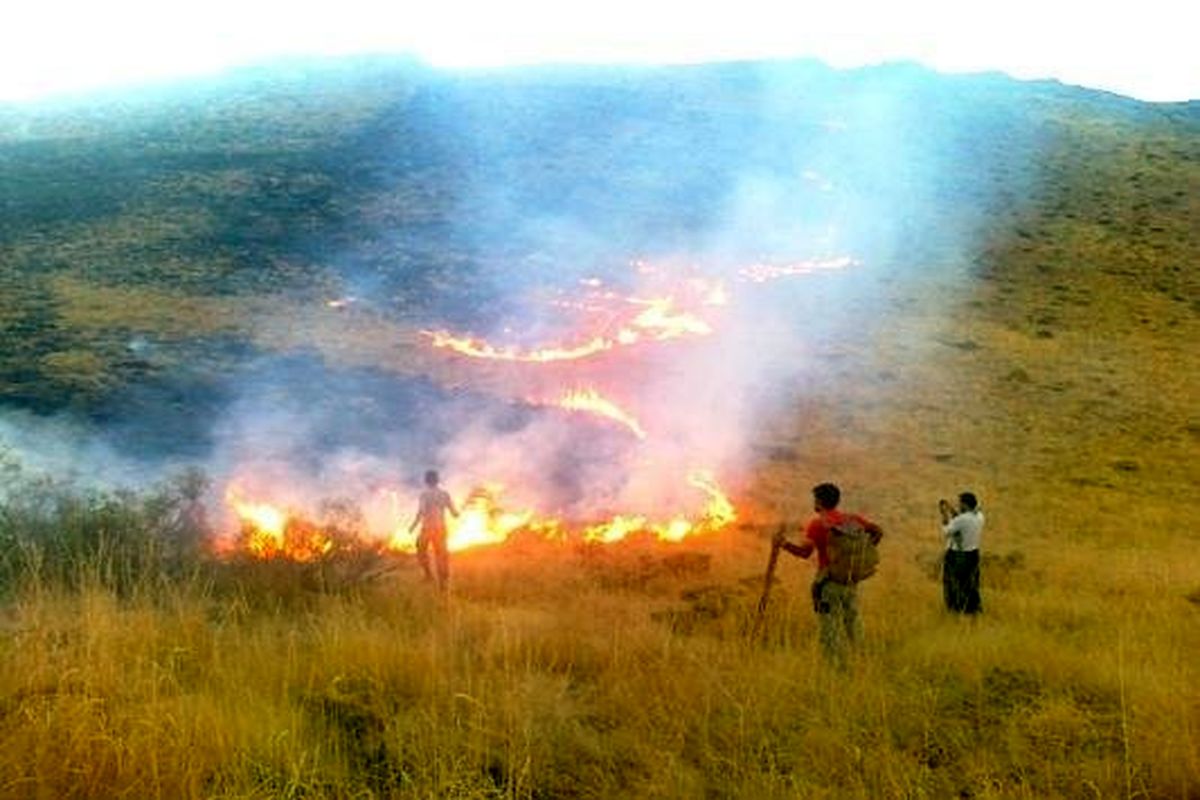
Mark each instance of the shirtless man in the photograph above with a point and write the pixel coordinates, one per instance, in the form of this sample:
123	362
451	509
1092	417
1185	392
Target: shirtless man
431	516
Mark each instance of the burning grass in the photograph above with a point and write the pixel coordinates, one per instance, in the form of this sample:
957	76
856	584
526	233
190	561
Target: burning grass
271	531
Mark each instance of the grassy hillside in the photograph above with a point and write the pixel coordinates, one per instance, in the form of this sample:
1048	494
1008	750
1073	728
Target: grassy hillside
1032	325
188	202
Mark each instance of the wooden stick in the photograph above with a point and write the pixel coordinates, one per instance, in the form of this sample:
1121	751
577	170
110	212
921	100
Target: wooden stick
760	616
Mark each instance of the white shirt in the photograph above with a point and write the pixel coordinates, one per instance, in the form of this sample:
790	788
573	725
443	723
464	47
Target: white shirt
964	531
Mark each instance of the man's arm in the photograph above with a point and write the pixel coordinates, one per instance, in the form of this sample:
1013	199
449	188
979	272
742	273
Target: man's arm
875	532
802	550
953	530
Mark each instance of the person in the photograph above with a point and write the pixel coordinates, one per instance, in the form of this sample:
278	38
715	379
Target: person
960	567
432	506
836	604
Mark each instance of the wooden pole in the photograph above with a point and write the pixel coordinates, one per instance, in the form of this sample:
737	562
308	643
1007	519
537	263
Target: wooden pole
756	630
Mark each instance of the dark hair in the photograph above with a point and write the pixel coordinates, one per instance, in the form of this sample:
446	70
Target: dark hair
968	500
431	477
827	495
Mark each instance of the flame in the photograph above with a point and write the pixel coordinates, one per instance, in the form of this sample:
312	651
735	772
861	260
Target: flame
662	322
658	320
478	348
720	511
481	521
592	402
262	523
654	319
269	532
666	309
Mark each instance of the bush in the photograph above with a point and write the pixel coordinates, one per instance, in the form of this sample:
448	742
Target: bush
55	534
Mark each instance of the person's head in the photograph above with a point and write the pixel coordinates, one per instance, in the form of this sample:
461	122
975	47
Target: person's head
826	496
967	501
431	478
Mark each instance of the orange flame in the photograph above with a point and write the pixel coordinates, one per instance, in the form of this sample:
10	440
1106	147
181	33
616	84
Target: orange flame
478	348
271	532
592	402
660	321
718	513
480	522
657	321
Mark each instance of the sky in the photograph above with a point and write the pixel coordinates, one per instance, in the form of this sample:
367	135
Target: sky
1144	50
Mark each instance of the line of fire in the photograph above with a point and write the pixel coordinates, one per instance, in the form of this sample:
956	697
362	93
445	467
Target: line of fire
590	376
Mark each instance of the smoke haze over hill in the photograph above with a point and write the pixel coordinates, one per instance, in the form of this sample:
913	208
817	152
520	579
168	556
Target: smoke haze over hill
245	272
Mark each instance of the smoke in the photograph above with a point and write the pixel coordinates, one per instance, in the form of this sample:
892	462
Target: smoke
66	452
501	205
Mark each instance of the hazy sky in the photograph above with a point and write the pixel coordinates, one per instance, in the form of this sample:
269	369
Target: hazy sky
1144	49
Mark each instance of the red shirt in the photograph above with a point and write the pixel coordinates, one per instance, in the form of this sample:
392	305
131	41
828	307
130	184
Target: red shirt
817	531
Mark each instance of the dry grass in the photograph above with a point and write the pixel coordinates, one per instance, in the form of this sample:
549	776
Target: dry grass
553	672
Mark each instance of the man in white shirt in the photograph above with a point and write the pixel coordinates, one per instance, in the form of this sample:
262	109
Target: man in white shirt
960	569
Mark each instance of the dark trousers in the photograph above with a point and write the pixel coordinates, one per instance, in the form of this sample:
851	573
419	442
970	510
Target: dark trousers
960	581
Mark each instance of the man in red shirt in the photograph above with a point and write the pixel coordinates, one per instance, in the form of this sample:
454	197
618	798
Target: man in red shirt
836	603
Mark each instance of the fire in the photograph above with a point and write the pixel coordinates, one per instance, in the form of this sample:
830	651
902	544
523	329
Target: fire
718	513
655	319
478	348
270	532
481	521
631	320
660	321
592	402
601	321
